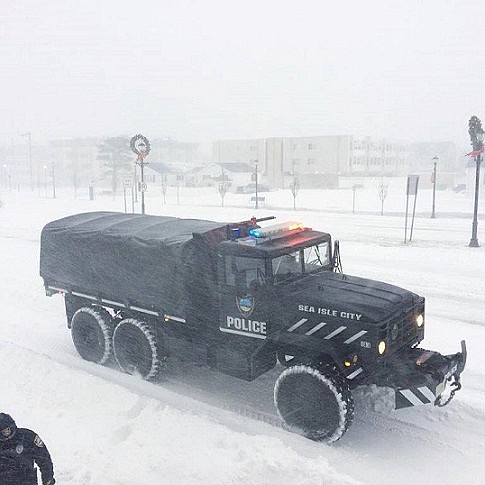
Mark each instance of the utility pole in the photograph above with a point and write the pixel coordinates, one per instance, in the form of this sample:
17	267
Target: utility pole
433	213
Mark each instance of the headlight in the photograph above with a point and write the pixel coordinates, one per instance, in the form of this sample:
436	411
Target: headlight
382	347
420	320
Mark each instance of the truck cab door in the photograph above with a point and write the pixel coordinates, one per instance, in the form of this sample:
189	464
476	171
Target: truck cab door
244	297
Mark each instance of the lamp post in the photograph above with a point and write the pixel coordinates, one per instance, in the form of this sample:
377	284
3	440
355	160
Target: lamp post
477	136
435	161
256	181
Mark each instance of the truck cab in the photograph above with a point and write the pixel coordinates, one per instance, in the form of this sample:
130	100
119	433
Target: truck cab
253	272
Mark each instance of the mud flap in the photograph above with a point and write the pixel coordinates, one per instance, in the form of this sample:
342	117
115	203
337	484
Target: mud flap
429	373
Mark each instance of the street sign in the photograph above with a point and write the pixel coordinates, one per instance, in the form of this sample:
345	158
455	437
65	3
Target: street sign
128	181
140	145
412	187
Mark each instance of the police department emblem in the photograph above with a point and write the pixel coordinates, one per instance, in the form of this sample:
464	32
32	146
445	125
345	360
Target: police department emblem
245	305
19	449
6	432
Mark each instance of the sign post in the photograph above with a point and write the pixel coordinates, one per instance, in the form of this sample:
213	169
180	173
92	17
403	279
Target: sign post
411	189
127	183
140	146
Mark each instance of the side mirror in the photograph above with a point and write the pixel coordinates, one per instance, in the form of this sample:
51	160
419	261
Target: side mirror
336	261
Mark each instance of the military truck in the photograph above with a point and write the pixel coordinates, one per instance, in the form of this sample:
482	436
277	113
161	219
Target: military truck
242	299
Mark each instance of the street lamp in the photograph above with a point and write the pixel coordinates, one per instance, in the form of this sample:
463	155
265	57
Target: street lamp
256	181
477	136
435	161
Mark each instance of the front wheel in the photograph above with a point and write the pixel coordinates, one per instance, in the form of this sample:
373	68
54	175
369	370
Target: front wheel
315	401
136	349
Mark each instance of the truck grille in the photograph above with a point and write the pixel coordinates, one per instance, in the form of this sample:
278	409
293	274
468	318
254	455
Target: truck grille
407	330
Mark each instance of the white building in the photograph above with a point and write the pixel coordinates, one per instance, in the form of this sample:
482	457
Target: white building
318	161
239	176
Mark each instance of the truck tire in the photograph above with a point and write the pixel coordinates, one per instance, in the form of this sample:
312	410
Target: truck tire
92	334
315	401
136	349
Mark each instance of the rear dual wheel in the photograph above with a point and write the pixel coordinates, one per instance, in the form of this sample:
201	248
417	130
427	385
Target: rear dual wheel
315	401
132	342
136	349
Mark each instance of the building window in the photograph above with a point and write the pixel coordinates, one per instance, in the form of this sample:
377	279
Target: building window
253	148
296	161
295	146
311	161
312	146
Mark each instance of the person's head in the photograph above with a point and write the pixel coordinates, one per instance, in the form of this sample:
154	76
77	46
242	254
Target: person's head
7	427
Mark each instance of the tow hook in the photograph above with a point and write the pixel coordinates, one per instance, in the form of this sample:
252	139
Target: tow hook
457	384
461	357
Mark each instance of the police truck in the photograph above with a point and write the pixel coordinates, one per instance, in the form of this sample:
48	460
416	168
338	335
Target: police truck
243	298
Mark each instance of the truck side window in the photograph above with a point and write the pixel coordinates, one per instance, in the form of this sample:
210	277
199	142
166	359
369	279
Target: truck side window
244	271
287	266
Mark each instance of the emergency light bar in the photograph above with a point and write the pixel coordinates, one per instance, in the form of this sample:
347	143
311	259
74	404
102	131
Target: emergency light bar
277	230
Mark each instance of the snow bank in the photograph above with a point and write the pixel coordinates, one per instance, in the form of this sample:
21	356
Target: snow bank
100	432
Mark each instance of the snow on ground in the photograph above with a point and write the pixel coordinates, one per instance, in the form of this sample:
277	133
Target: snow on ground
104	427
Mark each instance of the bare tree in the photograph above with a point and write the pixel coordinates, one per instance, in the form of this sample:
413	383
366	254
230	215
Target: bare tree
222	185
164	188
222	189
115	152
382	189
295	188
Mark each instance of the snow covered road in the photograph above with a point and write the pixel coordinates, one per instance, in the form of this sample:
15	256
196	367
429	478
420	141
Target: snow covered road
104	427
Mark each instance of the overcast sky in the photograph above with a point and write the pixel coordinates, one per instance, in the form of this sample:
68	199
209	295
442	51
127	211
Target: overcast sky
202	70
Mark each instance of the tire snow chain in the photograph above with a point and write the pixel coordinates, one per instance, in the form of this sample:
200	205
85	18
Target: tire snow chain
103	325
148	334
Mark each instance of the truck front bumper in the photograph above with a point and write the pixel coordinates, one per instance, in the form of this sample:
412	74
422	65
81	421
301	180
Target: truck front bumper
421	376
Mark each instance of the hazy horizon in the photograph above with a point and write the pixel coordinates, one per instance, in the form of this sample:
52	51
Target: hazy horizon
200	71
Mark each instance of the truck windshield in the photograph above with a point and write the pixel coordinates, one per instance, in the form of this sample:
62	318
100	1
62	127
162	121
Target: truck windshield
305	260
316	257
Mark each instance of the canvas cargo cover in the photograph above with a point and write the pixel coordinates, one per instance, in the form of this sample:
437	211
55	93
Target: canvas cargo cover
151	261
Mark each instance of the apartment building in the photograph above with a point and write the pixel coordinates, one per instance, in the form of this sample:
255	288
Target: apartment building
318	161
